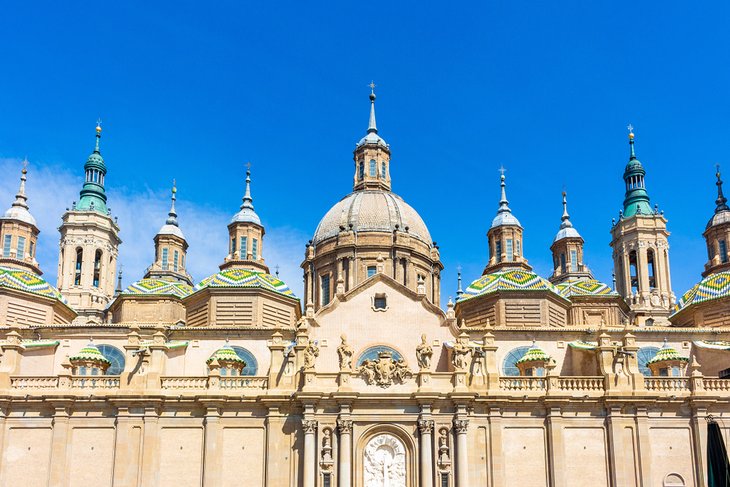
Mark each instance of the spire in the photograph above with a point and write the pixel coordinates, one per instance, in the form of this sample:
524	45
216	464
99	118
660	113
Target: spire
172	215
459	290
636	200
372	127
721	201
247	200
19	209
21	200
98	136
246	213
566	217
93	196
504	213
566	227
118	291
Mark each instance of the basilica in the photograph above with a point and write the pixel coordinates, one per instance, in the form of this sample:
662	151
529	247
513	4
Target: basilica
367	379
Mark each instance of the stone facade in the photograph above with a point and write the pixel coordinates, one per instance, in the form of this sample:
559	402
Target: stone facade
368	382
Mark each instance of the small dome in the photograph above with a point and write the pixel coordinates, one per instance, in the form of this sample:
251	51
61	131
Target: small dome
232	278
226	354
508	280
505	218
667	353
168	229
90	353
158	287
567	232
584	287
28	282
719	218
372	211
246	215
534	354
372	138
714	286
21	214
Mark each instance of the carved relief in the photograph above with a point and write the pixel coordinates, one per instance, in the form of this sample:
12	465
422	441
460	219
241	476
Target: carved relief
309	426
461	425
424	352
310	355
327	460
425	426
384	462
385	370
345	426
344	353
460	355
444	456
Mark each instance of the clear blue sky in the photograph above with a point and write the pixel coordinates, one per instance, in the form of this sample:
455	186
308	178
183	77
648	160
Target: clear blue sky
192	90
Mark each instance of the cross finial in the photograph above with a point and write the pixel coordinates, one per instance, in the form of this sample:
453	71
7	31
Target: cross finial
502	170
458	268
25	164
631	129
372	86
277	270
248	165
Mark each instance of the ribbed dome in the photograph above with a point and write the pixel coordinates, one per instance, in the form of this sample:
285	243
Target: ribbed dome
21	214
372	211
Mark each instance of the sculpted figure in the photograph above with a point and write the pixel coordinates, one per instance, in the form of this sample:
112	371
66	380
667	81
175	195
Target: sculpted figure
345	352
424	352
460	356
310	355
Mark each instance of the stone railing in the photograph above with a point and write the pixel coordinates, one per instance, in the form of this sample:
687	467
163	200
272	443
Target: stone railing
95	382
713	384
243	382
667	384
581	384
184	382
34	382
522	383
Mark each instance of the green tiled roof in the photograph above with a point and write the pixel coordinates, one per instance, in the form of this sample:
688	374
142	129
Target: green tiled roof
534	354
28	282
667	353
158	287
508	280
585	287
226	354
714	286
246	279
90	352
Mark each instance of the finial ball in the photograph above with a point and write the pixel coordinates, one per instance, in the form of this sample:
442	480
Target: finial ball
631	136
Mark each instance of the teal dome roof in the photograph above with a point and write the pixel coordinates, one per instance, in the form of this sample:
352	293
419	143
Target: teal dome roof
508	280
158	287
245	278
714	286
29	283
90	352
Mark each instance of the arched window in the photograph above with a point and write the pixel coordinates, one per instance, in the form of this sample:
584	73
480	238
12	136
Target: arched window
372	168
633	272
165	256
21	248
372	354
115	356
243	251
254	249
251	365
361	171
509	366
574	260
382	170
77	269
722	250
97	268
563	267
651	268
643	356
510	250
175	258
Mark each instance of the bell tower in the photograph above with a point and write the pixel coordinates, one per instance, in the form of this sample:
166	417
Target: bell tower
717	233
567	250
19	233
641	249
89	244
505	237
170	250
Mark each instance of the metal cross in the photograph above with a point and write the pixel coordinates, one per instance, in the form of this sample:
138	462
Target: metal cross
631	128
372	86
458	269
502	170
277	270
25	163
98	122
248	165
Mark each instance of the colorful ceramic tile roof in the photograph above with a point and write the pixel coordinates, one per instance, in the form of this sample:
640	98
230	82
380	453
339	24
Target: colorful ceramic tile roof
507	280
28	282
714	345
585	287
226	354
90	353
534	354
159	287
247	279
667	353
711	287
583	345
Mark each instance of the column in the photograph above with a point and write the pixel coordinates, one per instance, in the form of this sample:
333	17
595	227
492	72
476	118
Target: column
59	442
310	452
212	461
425	428
344	467
699	440
644	446
556	447
462	456
151	448
126	451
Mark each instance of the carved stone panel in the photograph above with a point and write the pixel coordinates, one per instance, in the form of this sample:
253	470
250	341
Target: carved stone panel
384	462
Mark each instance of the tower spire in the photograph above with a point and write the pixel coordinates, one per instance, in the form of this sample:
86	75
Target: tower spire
172	215
247	199
632	154
372	126
565	219
721	201
503	202
98	136
636	199
21	200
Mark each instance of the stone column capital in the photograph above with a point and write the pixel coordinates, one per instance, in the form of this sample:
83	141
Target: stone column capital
425	426
461	426
309	426
344	426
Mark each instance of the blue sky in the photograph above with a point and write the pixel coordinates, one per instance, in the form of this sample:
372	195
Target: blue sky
193	90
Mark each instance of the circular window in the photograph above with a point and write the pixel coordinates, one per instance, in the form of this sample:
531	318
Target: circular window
372	354
643	356
251	365
115	356
509	366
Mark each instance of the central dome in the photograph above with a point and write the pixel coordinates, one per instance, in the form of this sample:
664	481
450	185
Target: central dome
372	211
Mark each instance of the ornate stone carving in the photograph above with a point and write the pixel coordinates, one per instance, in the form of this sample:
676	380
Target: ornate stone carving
345	426
461	425
327	461
444	457
460	355
309	426
384	462
424	352
344	353
385	370
425	426
311	352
